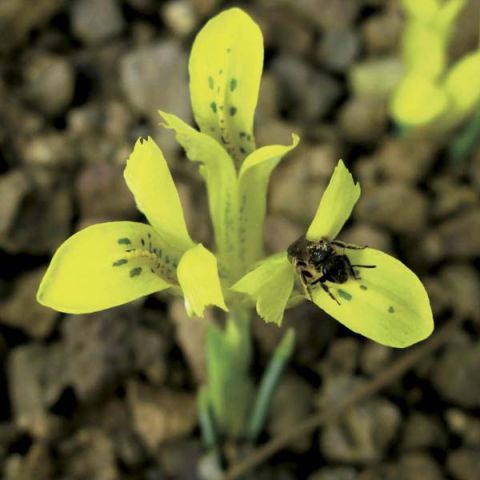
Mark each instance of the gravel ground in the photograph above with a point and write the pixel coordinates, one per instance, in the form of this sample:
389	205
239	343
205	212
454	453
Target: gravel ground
111	395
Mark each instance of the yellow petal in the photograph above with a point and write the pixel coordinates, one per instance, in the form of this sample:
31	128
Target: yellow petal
198	276
270	285
388	305
105	265
221	179
418	101
335	206
149	179
253	183
225	69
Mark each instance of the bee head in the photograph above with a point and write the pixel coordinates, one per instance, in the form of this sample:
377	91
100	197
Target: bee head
319	251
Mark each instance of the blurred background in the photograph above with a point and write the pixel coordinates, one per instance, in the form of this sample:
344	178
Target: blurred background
112	395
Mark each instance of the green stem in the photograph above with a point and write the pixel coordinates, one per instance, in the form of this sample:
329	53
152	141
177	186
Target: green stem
206	419
463	144
269	383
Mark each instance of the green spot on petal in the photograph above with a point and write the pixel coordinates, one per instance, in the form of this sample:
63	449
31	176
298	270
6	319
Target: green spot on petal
363	287
232	111
391	309
213	106
135	272
122	261
210	83
233	84
124	241
345	295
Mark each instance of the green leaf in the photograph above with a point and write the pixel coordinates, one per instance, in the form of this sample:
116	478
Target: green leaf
423	50
424	10
198	276
221	179
335	206
388	305
418	101
225	68
463	86
105	265
253	182
269	285
149	179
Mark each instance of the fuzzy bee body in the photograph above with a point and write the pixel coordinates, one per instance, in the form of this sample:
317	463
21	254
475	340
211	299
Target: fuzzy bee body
318	262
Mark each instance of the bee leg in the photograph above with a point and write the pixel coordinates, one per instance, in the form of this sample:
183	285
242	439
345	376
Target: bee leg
306	285
350	246
365	266
321	281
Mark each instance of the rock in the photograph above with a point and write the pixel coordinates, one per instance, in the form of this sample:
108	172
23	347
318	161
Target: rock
304	92
452	198
457	237
102	193
190	336
50	211
464	464
49	149
180	459
285	414
338	49
376	77
456	372
341	358
461	284
423	431
160	415
180	17
363	120
334	473
49	82
22	310
381	32
374	357
18	19
464	425
93	21
385	205
368	235
89	453
35	465
406	159
14	186
280	233
267	108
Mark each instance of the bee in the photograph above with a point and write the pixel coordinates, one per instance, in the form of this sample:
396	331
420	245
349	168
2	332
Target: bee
319	262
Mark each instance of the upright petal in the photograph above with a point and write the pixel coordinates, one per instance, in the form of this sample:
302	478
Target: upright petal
198	276
252	196
105	265
335	206
220	176
270	284
225	68
388	304
149	179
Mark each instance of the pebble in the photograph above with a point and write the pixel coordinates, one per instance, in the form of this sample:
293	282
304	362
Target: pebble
456	373
338	49
382	32
48	149
180	17
341	358
49	82
464	464
304	92
93	21
14	186
22	311
279	233
364	234
160	415
464	425
363	120
334	473
422	431
374	357
35	465
384	206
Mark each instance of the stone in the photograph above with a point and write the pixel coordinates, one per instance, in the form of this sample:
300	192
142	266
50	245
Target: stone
285	414
280	233
464	425
363	120
374	357
180	459
376	77
89	453
385	205
14	186
94	22
303	91
334	473
464	464
47	150
180	16
367	235
102	193
382	32
452	197
49	82
160	415
341	358
422	431
22	311
35	465
338	49
456	372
